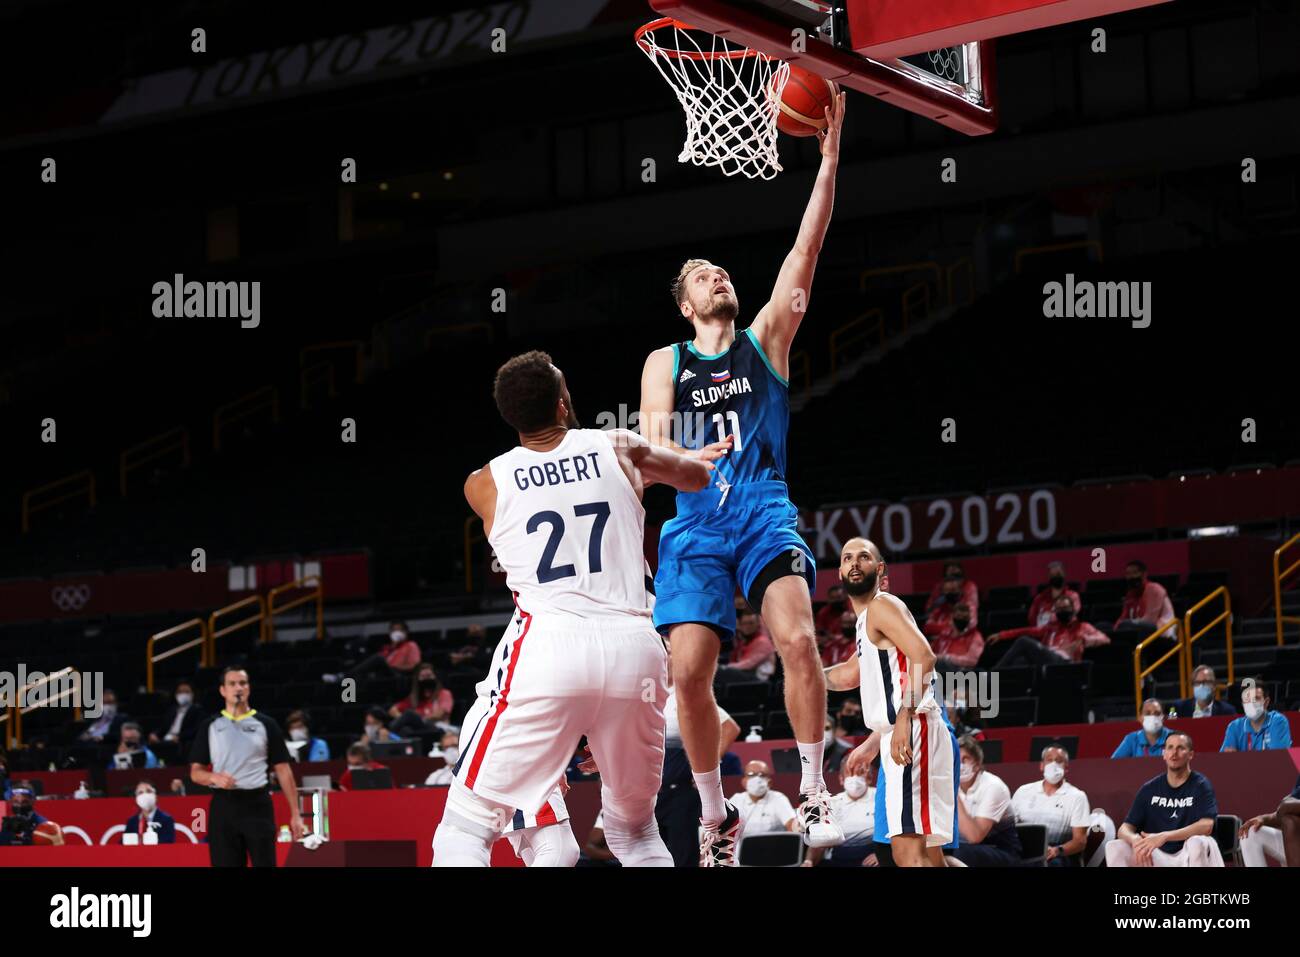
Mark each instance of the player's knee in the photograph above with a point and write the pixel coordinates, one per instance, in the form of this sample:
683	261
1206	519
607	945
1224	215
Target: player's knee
796	647
1118	853
693	686
554	846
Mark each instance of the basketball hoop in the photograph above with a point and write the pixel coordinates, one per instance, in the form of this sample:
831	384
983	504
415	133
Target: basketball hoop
730	93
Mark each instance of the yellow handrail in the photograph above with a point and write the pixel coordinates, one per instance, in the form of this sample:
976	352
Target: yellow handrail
214	633
877	326
160	447
18	710
202	641
1190	637
1028	251
470	541
1140	673
242	408
1278	575
317	594
803	362
88	489
928	265
356	345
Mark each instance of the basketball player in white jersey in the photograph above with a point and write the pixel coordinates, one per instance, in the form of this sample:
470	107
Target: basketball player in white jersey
894	672
562	511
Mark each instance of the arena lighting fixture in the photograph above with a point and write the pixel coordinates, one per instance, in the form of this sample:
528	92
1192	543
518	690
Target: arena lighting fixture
1212	531
383	187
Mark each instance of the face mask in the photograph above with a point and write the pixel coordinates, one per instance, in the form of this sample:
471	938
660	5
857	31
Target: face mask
1253	710
146	801
1135	584
450	754
372	731
1053	772
849	631
23	810
1064	616
1056	581
950	597
837	604
1203	692
960	623
828	738
852	723
183	699
967	773
397	635
1152	723
298	734
110	711
132	744
756	787
855	786
428	684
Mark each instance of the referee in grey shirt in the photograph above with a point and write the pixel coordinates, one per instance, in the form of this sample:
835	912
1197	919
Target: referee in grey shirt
242	747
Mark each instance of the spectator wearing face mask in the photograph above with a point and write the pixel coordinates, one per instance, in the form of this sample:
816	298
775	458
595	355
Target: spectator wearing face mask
1204	701
984	816
428	705
150	818
753	656
20	826
1171	822
1274	836
828	620
1146	605
962	588
1149	741
375	731
762	810
180	722
836	744
474	655
957	717
1057	805
301	744
841	644
1042	610
1060	642
957	643
358	760
449	750
399	655
108	726
854	810
130	743
1259	729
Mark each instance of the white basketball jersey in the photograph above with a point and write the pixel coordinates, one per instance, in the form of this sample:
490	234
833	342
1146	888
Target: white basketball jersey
568	529
883	675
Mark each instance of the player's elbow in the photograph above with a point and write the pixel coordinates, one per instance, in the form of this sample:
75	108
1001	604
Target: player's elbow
696	478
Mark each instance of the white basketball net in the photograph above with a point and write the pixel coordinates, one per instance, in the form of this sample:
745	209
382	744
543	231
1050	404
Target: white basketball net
731	95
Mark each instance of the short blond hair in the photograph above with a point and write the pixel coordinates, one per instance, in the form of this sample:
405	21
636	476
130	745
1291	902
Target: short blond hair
678	285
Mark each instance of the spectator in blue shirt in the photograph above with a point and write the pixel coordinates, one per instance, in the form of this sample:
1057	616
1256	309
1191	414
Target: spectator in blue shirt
1171	822
1150	740
130	743
1258	729
301	743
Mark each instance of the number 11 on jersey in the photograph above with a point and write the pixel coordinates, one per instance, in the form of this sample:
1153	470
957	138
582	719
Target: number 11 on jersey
733	420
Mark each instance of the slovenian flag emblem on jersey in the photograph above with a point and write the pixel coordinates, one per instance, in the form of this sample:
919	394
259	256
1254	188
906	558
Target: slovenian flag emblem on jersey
722	376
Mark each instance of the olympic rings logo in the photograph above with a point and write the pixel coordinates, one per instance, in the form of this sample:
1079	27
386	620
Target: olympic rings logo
70	597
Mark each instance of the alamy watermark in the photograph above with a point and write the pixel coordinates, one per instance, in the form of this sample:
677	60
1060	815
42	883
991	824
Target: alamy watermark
63	689
1084	299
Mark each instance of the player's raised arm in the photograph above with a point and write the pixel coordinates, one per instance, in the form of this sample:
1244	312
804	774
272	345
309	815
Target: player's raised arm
657	410
776	322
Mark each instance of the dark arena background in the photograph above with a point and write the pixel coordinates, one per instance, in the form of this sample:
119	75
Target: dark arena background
407	195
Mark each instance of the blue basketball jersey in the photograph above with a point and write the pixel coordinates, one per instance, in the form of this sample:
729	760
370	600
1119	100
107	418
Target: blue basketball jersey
736	392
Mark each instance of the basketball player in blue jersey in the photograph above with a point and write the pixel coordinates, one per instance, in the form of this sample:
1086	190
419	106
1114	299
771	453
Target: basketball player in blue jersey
729	389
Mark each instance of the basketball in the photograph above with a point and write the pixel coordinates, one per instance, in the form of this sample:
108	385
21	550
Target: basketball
803	103
45	833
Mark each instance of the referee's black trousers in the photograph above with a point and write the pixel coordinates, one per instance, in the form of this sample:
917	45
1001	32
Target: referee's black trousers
241	827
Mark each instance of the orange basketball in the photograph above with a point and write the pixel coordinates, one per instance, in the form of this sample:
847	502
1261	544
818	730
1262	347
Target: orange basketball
45	833
803	103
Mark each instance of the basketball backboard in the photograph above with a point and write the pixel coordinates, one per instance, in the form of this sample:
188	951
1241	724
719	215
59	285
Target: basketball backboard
932	57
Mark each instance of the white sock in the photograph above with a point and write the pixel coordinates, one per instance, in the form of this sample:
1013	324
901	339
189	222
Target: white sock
712	803
810	763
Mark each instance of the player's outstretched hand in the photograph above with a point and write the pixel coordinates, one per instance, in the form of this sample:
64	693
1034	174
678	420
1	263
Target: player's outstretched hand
858	761
829	138
714	450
